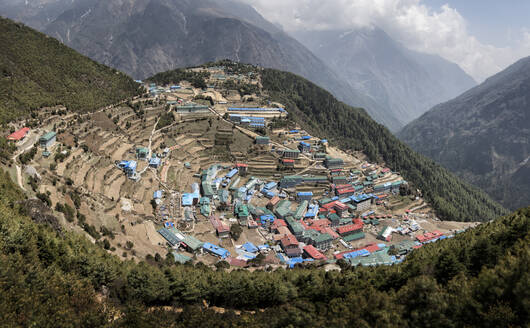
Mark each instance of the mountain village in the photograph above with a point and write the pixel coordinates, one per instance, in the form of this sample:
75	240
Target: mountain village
207	174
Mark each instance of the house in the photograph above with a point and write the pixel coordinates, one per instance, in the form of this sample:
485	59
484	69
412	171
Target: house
311	252
242	168
154	162
345	192
266	220
362	202
191	108
48	139
289	244
180	258
250	247
177	238
290	181
128	167
18	135
287	162
273	202
262	140
349	229
321	241
277	224
295	226
304	196
157	194
333	163
291	153
215	250
385	234
142	153
222	229
283	209
304	147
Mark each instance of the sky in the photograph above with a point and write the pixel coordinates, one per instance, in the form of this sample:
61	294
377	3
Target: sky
482	36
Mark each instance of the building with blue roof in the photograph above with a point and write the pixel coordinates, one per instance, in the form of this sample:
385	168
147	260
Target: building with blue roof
187	199
304	195
271	110
267	219
129	167
305	138
270	185
155	162
250	247
157	194
312	211
232	173
304	146
215	250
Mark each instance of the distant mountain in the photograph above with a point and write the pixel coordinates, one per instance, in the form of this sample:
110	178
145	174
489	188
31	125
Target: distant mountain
402	82
143	37
483	135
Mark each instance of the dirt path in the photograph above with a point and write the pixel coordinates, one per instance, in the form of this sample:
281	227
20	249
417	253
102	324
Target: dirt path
28	145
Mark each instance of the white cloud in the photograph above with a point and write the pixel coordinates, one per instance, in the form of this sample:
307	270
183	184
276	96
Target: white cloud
441	31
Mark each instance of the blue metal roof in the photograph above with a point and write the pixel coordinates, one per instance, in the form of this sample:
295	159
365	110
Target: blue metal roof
216	250
361	197
154	161
305	144
234	109
270	185
157	194
305	193
232	173
250	247
187	199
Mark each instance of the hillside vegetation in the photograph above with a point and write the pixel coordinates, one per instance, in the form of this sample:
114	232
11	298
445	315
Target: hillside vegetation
483	135
351	128
55	278
38	71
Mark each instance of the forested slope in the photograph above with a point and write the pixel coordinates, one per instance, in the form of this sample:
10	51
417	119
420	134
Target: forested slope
38	71
351	128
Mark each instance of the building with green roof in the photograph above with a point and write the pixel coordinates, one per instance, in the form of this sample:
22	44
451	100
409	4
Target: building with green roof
48	139
295	226
300	210
354	236
180	258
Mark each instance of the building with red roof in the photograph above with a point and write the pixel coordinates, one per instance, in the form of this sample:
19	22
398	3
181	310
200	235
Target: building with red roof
223	230
350	229
237	262
345	192
289	245
313	253
273	202
429	236
18	135
277	223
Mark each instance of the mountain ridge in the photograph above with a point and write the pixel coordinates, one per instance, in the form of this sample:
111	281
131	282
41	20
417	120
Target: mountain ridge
483	134
404	83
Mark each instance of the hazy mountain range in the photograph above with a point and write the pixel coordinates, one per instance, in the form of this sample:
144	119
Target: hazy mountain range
142	37
483	135
403	82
